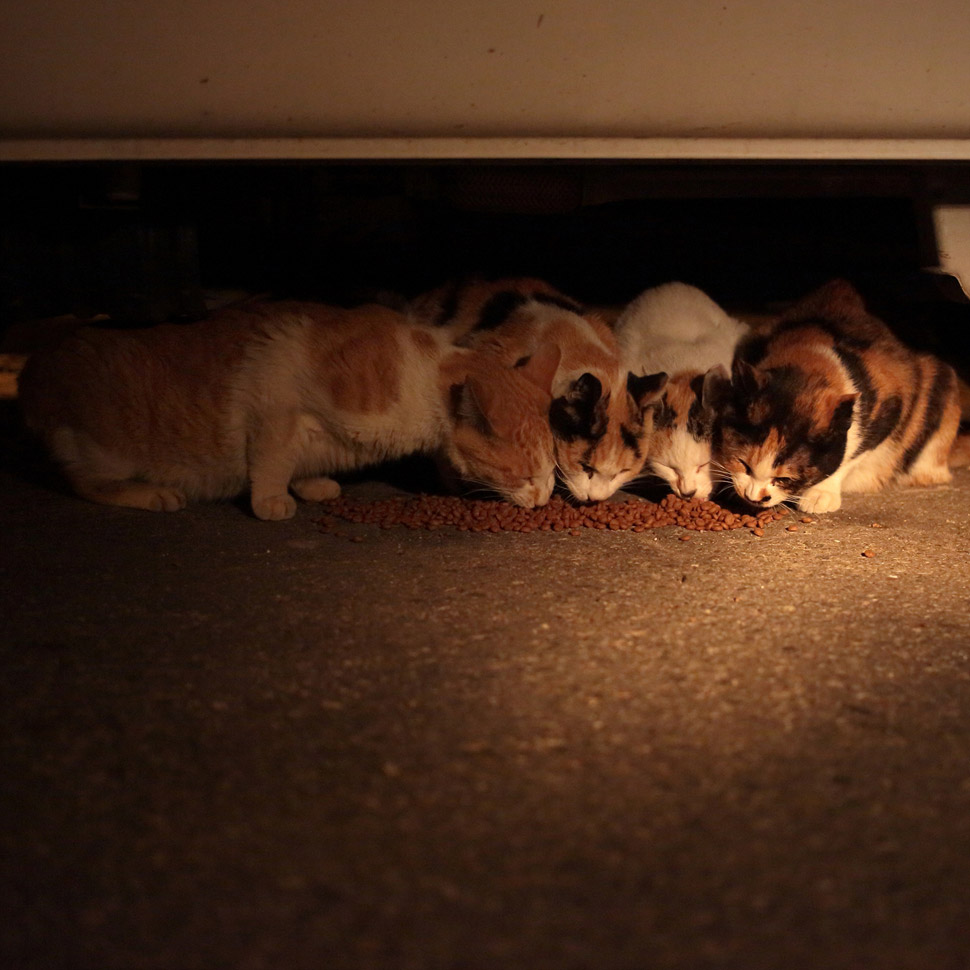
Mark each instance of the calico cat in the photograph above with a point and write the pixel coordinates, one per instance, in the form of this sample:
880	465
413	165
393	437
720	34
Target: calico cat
679	329
280	397
601	415
829	401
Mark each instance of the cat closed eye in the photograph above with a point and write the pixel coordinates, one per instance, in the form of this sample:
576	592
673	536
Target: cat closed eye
782	482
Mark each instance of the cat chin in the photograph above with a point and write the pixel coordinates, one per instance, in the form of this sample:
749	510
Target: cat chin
698	489
759	497
585	490
531	496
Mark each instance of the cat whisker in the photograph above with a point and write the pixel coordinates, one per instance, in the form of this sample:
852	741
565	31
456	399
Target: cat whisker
478	489
643	476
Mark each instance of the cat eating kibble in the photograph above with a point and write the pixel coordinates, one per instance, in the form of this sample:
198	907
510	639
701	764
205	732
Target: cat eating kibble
279	397
601	415
829	401
677	328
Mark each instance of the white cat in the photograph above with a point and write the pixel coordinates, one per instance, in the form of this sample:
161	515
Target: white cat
679	329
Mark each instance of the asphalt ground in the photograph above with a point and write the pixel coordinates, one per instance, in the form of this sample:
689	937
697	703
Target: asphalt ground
237	744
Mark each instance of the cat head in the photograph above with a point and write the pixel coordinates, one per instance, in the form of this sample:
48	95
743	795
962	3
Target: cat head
602	434
782	431
684	419
499	426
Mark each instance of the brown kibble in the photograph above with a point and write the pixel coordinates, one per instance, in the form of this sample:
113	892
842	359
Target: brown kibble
876	525
792	528
684	538
868	553
806	519
477	515
758	532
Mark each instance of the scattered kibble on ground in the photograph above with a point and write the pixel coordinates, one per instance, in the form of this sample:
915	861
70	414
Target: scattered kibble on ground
477	515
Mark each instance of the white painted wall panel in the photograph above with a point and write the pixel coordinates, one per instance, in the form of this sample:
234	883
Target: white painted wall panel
725	69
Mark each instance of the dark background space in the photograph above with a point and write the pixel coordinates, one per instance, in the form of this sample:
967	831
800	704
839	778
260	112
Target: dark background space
151	242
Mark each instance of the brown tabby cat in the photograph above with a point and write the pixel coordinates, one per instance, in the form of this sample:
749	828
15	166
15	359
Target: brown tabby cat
829	402
601	415
280	397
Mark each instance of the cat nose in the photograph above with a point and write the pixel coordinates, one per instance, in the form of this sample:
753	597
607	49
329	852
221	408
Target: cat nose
688	495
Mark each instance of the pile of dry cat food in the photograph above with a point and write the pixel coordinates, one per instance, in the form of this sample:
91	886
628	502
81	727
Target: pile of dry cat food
473	515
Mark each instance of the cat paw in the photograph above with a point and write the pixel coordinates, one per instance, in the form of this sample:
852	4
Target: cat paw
166	500
134	495
273	508
818	500
316	489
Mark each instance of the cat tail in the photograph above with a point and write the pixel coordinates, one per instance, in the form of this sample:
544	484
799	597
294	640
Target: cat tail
959	456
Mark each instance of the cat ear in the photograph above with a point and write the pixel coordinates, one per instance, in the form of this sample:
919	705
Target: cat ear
540	368
586	389
745	377
715	387
646	389
578	411
467	407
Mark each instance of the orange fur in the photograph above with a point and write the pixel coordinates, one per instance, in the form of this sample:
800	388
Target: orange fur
516	317
279	396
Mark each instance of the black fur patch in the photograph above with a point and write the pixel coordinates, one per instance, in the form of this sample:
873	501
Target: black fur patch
578	414
498	309
882	425
632	439
775	400
935	405
752	350
824	452
663	415
700	419
640	388
859	375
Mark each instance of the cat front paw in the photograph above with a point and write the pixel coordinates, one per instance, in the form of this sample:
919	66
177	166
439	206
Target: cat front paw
316	489
166	500
818	500
273	508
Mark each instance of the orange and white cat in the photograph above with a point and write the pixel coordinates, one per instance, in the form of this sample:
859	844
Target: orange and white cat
279	397
601	415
